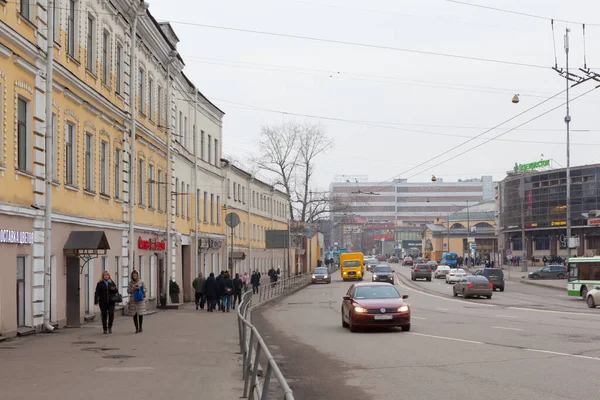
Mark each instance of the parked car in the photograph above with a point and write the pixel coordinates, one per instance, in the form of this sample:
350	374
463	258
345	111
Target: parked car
473	286
383	273
441	271
593	297
371	263
421	271
455	274
394	260
549	272
374	304
321	275
407	261
494	275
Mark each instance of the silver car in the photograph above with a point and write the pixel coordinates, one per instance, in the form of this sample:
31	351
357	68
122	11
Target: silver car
321	275
441	271
473	286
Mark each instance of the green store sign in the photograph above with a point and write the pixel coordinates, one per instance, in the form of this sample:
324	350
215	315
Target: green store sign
531	166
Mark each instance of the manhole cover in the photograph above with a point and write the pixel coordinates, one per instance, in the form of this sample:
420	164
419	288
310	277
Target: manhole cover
118	356
100	349
84	342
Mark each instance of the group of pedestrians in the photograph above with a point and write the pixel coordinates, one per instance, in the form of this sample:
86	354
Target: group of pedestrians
218	292
107	296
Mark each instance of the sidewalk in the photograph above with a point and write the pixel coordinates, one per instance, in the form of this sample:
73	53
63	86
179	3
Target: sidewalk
185	354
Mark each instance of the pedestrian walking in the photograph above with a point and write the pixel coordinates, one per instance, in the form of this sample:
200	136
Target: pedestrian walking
226	289
199	285
245	280
238	286
219	293
106	297
255	280
137	301
210	291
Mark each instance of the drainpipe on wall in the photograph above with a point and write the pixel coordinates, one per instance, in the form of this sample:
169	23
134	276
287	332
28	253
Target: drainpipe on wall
169	176
49	168
250	237
195	184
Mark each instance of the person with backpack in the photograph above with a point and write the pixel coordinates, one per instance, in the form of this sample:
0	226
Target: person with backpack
238	285
199	287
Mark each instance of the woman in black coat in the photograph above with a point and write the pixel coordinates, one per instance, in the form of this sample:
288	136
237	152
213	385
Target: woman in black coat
210	288
105	298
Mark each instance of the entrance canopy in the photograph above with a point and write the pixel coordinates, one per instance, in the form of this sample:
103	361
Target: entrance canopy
82	243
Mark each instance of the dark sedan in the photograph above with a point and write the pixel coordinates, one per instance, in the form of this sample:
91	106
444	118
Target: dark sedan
374	304
383	273
321	275
549	272
473	286
421	271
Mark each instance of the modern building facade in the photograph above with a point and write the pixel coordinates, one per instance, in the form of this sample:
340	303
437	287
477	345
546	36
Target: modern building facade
539	199
109	86
407	203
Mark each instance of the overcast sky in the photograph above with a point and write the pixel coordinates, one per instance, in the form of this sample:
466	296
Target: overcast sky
401	108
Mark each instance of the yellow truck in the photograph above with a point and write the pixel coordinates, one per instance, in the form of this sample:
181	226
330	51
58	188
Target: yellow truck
352	266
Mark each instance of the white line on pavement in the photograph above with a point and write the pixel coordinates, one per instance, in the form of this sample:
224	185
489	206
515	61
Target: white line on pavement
417	317
563	354
554	312
506	328
506	316
445	338
123	369
445	298
442	309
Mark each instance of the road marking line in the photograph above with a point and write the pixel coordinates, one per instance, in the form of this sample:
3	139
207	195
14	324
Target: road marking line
417	317
563	354
442	309
445	298
506	316
553	312
445	338
123	369
506	328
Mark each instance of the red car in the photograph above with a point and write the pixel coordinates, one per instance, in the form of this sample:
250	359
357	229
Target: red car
375	304
407	261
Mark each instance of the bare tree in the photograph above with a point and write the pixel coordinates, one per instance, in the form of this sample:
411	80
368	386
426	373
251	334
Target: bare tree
289	152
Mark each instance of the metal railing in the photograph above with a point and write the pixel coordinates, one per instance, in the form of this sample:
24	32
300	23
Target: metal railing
259	366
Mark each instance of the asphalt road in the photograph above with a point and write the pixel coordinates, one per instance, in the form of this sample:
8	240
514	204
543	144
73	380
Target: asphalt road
456	349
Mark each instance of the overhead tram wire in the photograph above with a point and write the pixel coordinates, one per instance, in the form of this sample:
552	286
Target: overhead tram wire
358	44
503	133
487	131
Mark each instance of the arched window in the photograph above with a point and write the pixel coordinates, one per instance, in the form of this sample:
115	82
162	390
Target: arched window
457	226
483	225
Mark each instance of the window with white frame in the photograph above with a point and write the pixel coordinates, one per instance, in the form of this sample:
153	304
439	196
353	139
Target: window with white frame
176	202
106	57
91	43
120	67
185	132
198	204
89	162
104	167
23	134
142	102
72	27
180	127
205	207
216	151
54	152
228	188
26	9
181	199
158	185
117	172
57	9
243	195
234	191
212	208
70	137
218	210
151	98
209	149
160	106
202	145
151	186
188	197
141	183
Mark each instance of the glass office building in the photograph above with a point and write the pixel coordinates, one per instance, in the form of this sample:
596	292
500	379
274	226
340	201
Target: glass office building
540	199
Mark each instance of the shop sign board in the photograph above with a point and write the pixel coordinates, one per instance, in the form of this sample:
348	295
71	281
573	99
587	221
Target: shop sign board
151	245
16	237
532	166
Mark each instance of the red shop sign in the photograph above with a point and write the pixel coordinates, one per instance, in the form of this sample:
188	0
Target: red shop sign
150	245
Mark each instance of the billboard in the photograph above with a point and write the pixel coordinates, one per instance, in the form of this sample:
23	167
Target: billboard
277	239
409	244
386	234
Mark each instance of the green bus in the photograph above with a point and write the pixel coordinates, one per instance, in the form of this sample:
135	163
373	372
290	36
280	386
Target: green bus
584	275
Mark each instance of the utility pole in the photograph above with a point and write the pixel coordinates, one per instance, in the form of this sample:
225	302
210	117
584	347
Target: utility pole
568	122
49	140
523	238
